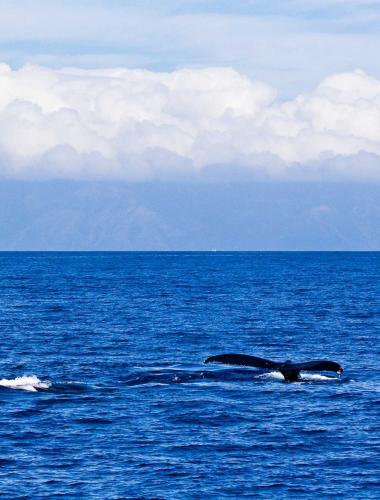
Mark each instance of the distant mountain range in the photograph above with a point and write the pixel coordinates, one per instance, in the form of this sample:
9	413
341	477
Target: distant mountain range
72	215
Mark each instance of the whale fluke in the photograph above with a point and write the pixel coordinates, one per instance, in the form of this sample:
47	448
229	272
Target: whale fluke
242	360
319	366
289	370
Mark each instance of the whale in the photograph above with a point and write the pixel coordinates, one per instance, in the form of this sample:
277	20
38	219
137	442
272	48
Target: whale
290	371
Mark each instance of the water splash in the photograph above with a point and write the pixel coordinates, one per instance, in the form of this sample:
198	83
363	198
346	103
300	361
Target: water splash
309	376
274	375
26	383
303	376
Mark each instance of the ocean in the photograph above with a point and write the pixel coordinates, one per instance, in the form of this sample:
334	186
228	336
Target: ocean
104	392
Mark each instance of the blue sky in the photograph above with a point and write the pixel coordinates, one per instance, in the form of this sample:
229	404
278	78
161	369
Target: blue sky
289	89
199	92
290	44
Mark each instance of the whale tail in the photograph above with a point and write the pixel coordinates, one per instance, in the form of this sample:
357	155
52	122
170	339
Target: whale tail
290	374
290	371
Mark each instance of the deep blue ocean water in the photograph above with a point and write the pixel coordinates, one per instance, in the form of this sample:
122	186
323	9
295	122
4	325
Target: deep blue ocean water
115	401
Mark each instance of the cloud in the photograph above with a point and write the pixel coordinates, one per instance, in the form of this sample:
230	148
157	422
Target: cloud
271	41
138	124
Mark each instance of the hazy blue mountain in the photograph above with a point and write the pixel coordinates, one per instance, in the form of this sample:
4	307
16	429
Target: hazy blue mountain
62	215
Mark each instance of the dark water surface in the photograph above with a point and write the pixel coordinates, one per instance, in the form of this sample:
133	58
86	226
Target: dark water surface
117	403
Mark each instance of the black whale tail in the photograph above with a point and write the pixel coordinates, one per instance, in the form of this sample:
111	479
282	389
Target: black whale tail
290	371
290	375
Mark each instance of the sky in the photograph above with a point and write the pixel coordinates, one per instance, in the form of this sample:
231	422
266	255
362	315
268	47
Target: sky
290	44
285	90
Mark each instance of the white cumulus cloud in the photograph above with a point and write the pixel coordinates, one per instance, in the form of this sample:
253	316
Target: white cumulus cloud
80	123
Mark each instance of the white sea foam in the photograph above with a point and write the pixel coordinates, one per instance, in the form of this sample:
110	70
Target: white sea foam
275	375
26	383
304	376
309	376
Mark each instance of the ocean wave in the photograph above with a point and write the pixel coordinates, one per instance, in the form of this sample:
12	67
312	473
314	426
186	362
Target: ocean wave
167	376
26	383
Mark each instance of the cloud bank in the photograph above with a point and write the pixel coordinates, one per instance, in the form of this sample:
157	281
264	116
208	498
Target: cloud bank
290	44
138	124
